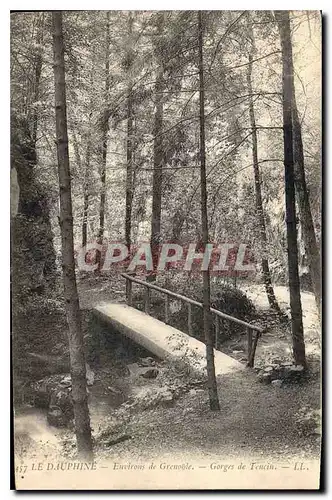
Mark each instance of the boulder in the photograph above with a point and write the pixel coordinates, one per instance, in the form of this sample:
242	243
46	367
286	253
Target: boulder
150	373
56	417
61	398
296	368
264	378
277	383
149	361
140	371
54	394
292	372
149	397
90	376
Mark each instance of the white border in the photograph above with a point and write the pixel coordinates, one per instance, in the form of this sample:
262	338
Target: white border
4	182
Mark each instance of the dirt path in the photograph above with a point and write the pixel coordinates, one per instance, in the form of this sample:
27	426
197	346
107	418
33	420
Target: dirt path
255	420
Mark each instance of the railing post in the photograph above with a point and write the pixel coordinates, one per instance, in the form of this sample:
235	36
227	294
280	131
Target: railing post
217	325
249	335
190	328
147	300
251	360
166	308
129	292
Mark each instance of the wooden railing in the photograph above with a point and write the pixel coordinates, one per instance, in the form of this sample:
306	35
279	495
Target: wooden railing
219	317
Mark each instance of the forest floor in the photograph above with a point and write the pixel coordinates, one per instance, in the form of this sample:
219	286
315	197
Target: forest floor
256	420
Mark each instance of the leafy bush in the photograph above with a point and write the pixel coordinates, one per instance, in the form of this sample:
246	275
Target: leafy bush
224	298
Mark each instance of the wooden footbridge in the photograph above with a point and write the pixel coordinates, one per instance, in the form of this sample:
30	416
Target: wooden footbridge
165	341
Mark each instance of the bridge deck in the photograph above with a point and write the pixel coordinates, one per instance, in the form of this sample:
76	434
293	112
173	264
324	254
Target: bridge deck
162	340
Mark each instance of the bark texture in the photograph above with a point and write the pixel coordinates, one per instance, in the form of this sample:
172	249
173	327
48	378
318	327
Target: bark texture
158	160
130	136
308	230
105	129
75	336
283	21
212	383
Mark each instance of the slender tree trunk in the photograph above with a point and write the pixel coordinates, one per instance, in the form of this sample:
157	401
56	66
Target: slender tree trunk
130	138
212	383
75	336
86	191
86	181
258	192
158	159
104	145
282	18
308	229
38	71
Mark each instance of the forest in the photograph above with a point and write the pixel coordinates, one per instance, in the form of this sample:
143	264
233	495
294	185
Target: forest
144	144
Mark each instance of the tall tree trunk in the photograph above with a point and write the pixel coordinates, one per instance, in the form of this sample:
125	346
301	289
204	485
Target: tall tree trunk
130	138
75	336
86	190
158	159
38	70
86	181
212	383
104	144
282	18
309	236
258	192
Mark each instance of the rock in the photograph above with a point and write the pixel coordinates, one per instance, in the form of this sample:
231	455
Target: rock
56	417
149	361
134	369
268	369
139	371
296	368
277	383
237	351
193	392
150	373
149	397
264	378
41	390
90	376
54	393
117	440
40	396
292	372
166	396
66	381
61	399
114	391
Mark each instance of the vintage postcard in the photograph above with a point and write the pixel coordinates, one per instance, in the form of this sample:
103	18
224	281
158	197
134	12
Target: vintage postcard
165	249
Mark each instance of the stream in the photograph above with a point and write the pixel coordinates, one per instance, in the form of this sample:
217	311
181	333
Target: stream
113	360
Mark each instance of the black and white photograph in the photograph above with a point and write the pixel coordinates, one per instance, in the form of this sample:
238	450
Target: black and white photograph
166	239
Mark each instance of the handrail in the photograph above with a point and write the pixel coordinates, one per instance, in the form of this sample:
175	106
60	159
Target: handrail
252	343
193	302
